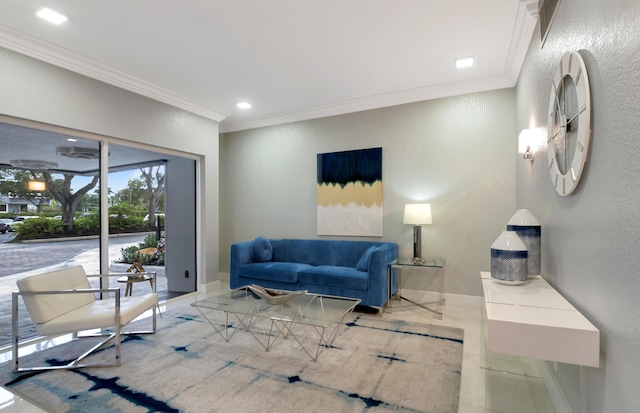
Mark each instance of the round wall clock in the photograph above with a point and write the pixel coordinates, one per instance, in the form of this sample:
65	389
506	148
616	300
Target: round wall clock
569	125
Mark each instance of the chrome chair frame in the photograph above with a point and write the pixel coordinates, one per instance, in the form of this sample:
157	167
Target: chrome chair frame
75	364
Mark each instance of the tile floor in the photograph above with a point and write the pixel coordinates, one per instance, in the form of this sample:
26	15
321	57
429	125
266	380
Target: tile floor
491	384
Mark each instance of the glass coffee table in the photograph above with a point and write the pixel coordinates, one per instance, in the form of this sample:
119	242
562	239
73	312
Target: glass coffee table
313	321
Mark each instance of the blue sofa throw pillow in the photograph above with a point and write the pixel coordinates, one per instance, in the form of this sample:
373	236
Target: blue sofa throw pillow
261	249
363	264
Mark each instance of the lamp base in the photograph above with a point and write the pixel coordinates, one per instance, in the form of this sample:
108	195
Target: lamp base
417	241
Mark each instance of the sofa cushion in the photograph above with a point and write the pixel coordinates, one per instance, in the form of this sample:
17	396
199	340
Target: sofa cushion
320	252
276	271
363	264
335	276
261	249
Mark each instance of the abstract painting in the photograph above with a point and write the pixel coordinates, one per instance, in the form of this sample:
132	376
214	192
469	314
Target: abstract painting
349	193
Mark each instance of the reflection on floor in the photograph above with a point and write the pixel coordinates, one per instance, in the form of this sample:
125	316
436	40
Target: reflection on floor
169	295
490	384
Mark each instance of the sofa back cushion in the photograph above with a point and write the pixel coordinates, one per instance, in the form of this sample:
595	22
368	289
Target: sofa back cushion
321	252
45	307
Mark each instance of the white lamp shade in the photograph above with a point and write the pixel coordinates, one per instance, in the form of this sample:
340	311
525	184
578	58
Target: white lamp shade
417	214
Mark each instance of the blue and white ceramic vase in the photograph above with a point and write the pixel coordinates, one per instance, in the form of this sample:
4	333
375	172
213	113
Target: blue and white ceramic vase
509	259
525	224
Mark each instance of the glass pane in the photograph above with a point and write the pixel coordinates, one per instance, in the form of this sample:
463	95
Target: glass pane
50	210
49	207
138	218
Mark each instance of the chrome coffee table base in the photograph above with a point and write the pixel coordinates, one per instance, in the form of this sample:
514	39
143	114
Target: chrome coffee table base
313	321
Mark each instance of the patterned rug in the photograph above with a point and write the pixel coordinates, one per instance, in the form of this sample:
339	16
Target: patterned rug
373	365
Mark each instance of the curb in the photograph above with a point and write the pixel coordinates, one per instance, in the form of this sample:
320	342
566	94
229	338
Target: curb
83	237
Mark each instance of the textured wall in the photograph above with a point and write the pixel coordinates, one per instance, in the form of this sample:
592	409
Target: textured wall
590	238
456	153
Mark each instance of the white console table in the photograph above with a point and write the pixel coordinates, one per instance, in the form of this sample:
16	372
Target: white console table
534	320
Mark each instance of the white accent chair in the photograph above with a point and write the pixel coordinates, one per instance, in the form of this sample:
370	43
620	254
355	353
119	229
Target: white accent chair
62	302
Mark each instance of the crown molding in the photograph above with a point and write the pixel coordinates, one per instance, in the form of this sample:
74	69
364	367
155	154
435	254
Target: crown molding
30	46
526	21
372	102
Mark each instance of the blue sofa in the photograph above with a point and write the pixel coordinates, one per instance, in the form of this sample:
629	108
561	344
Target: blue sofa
356	269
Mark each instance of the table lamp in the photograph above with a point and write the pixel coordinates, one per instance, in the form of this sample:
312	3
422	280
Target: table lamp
417	215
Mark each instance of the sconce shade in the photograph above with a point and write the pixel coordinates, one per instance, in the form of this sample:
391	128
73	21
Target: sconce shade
417	214
37	186
528	140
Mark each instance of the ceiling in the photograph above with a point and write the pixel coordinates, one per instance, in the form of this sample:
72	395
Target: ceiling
291	59
34	149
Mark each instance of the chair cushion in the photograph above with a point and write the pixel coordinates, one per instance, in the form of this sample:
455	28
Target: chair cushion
99	314
43	308
261	250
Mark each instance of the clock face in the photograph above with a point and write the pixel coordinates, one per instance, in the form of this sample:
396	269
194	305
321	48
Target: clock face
569	123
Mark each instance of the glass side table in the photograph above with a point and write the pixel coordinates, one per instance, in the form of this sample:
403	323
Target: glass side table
432	263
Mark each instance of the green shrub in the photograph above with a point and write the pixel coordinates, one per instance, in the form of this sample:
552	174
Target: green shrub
150	241
130	254
38	228
88	225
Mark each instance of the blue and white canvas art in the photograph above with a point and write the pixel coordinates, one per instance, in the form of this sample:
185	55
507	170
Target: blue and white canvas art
349	193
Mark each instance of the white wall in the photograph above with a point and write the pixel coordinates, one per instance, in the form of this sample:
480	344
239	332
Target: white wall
590	238
37	91
456	153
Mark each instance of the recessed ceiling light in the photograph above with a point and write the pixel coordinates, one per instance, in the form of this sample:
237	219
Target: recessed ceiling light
51	16
72	140
464	62
244	105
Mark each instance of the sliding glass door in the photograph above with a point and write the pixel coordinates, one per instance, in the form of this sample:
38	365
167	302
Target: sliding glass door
55	212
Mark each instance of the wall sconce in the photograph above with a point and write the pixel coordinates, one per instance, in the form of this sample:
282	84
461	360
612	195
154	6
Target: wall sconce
417	215
37	186
528	143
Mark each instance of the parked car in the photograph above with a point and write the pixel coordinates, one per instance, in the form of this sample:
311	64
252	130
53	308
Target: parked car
158	214
3	227
11	226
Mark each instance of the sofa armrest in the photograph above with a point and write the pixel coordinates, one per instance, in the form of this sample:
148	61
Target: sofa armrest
378	272
240	254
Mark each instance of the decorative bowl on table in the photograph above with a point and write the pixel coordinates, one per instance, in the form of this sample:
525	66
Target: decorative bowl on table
273	296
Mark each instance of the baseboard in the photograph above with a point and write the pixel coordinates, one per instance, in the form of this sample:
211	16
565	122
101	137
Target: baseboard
209	287
464	300
554	390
